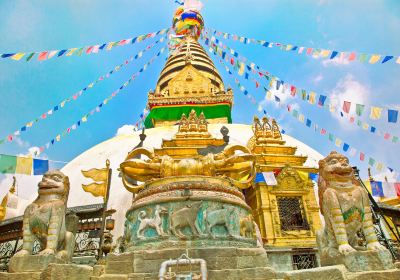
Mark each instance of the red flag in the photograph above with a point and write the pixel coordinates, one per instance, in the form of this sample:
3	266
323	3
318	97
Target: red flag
42	56
362	156
397	188
323	131
10	138
346	106
309	50
41	149
44	116
288	108
387	136
351	119
89	50
292	90
352	56
276	171
257	84
232	61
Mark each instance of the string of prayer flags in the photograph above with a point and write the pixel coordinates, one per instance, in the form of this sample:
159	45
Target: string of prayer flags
10	164
76	95
306	95
332	105
313	52
300	117
85	117
46	55
376	188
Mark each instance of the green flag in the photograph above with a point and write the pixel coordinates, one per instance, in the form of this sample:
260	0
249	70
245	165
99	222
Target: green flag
359	109
8	164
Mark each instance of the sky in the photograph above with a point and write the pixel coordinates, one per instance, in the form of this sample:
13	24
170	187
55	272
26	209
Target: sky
29	89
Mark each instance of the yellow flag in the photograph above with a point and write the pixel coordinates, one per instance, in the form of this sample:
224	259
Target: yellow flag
379	166
109	46
84	119
301	117
58	137
98	175
374	58
311	98
365	126
17	56
100	178
375	113
303	175
325	53
338	142
71	51
367	183
96	189
241	69
24	165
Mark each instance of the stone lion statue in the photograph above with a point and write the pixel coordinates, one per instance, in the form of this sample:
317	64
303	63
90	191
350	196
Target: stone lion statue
45	219
345	206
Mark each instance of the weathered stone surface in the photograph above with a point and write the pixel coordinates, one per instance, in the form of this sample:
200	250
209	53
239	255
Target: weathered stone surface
20	276
362	260
98	270
242	274
391	274
326	273
280	261
67	272
32	263
113	277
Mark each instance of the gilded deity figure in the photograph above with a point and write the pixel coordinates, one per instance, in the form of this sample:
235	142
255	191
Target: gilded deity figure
345	207
235	163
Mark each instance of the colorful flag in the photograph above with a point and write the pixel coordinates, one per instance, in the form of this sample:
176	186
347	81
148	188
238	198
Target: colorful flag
397	188
392	115
259	178
8	164
18	56
42	56
367	184
321	100
40	166
346	106
375	113
100	178
24	165
374	58
376	187
389	189
359	109
270	178
387	58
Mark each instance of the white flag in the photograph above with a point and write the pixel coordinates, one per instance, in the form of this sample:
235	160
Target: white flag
270	178
388	189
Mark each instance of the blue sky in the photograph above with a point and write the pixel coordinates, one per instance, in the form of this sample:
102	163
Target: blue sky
29	89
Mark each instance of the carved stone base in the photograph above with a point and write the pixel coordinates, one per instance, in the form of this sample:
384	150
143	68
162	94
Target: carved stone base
362	261
32	263
53	272
222	263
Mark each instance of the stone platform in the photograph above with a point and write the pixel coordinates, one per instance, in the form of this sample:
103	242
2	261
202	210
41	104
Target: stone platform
222	263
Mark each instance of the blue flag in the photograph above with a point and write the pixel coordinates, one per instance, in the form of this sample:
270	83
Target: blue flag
40	166
392	115
259	178
376	188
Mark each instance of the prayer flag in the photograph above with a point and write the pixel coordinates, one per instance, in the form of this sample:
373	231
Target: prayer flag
376	187
40	166
338	142
8	164
352	152
51	54
292	90
17	56
42	56
311	98
259	178
352	56
359	109
345	147
389	189
321	100
71	51
387	58
270	179
30	56
362	156
373	129
24	165
334	53
308	122
374	58
5	55
367	184
330	137
397	188
61	53
346	106
313	176
371	161
375	113
392	115
323	131
241	69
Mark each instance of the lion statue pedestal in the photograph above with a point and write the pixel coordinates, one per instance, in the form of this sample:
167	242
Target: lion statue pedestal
45	221
346	209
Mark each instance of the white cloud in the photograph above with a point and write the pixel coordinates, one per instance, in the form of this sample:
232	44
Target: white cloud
348	89
318	78
126	129
339	60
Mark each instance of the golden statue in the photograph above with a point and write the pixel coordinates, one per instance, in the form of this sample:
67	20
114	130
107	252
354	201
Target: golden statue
237	167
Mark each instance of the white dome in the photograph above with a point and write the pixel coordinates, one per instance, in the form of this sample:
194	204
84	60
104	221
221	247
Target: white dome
117	148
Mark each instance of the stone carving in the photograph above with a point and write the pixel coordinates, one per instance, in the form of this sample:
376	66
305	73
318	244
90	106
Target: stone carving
345	207
185	217
155	222
236	163
247	226
222	217
45	221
